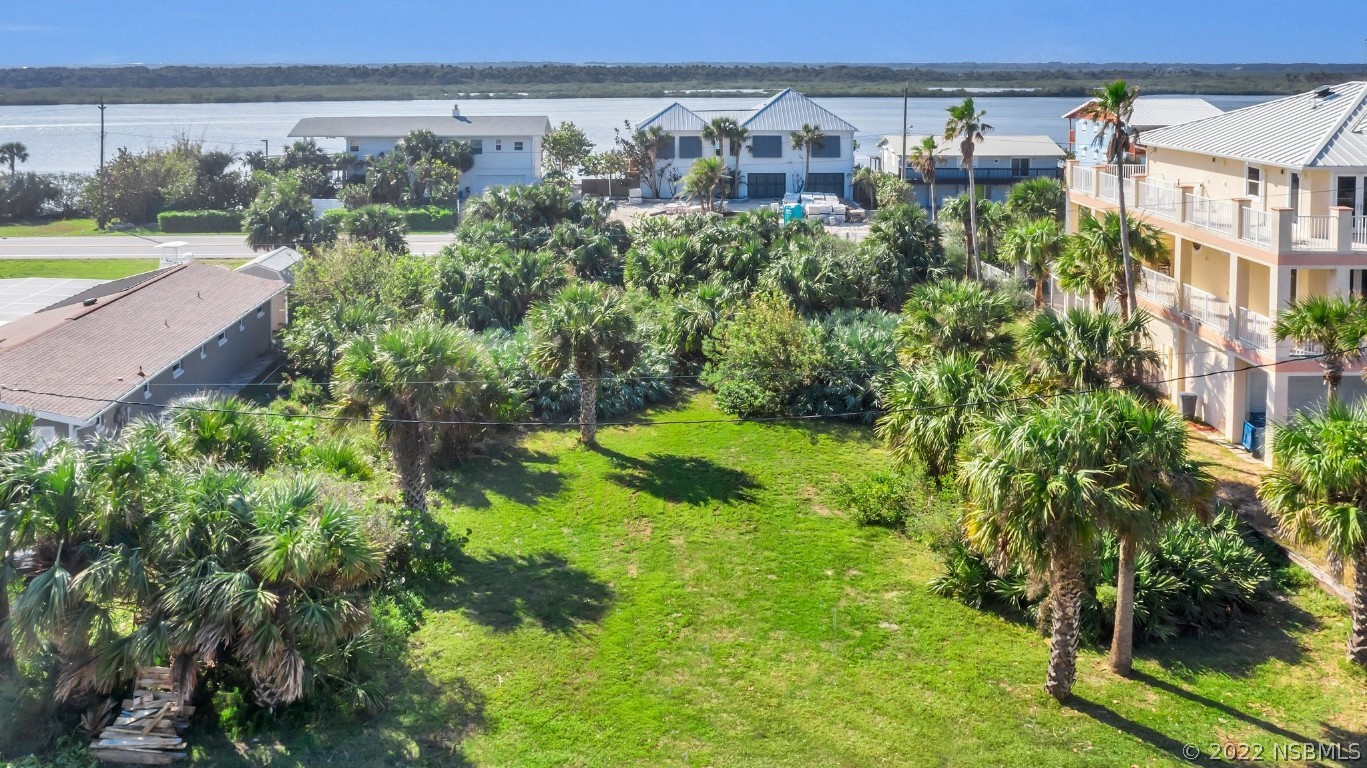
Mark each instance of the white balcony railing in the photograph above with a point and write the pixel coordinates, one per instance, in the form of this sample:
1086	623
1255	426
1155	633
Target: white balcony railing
1158	199
1305	349
1084	176
1206	307
1215	215
1135	169
994	273
1107	190
1158	288
1256	228
1311	233
1254	328
1360	232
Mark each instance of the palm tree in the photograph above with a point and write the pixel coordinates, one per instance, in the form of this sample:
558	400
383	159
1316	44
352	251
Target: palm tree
1334	325
380	226
1093	261
587	327
1113	105
1037	491
13	152
805	139
867	179
923	160
1149	450
704	180
408	376
1035	243
928	409
727	136
16	440
737	137
1037	198
965	125
1318	494
1084	350
956	316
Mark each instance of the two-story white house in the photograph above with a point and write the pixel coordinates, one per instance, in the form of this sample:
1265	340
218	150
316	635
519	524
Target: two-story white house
1000	161
1258	206
769	166
507	148
1150	113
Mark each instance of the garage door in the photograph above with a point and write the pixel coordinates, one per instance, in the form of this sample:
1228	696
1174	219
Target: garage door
765	185
832	183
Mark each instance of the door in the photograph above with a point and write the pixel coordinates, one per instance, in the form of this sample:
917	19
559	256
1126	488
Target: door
831	183
1294	194
1350	190
766	185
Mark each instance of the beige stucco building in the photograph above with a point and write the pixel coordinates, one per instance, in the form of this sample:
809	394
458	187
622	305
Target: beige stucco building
1258	206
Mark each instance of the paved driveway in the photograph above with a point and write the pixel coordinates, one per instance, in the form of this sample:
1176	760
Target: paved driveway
27	295
141	247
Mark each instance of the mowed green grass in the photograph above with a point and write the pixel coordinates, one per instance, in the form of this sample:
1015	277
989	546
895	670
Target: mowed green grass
89	269
62	228
685	596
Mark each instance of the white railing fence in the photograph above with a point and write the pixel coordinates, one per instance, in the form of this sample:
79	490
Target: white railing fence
1158	199
1312	232
1254	328
1206	307
1158	287
994	273
1256	226
1084	176
1360	231
1215	215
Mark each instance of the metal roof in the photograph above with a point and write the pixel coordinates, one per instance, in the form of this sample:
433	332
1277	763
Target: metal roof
993	145
1161	111
786	110
280	260
1317	129
71	362
444	126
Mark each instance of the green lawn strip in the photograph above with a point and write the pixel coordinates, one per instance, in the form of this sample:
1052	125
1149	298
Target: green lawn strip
90	269
685	596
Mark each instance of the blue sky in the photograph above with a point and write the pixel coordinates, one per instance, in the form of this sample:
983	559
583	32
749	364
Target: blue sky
89	32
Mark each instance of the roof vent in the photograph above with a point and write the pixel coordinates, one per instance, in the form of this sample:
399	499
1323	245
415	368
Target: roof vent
455	110
1323	92
89	302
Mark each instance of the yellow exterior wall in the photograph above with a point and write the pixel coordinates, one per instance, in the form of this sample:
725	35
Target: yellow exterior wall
1256	281
1206	269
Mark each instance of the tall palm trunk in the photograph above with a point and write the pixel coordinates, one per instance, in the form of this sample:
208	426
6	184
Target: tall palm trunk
1333	375
807	169
1065	597
1039	293
6	651
588	404
1357	641
1127	304
1122	642
973	260
412	459
931	179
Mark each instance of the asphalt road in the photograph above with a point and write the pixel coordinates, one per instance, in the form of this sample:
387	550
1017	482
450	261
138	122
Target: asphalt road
141	247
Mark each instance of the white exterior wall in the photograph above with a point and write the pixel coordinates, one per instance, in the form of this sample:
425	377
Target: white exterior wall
493	167
791	163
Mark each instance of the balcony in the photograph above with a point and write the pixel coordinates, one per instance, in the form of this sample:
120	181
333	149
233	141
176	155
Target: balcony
985	175
1253	329
1157	287
1206	308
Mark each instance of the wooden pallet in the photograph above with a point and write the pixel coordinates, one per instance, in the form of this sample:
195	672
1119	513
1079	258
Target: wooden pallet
147	730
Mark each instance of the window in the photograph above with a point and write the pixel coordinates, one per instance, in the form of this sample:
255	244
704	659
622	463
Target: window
1357	282
666	149
177	370
1254	187
355	147
476	146
517	146
203	352
1020	166
829	147
498	145
1348	191
766	146
261	311
222	338
690	147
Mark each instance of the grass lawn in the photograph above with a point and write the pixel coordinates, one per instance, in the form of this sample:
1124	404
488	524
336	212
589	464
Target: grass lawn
62	228
685	596
90	269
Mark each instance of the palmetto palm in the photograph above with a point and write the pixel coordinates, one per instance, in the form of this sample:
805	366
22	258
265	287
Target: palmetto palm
1084	350
1318	493
1037	488
586	327
956	316
922	159
1037	198
16	440
965	125
1334	325
867	178
704	180
1112	105
408	376
727	136
222	429
1093	263
13	152
929	409
1036	244
737	137
807	138
380	226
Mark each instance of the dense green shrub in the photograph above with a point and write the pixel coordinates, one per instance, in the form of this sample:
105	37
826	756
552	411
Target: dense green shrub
429	219
762	357
200	221
492	287
857	347
880	499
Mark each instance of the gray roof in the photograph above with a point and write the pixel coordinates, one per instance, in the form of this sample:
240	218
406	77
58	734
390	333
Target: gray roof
72	362
993	145
1161	111
1316	129
786	110
281	260
444	126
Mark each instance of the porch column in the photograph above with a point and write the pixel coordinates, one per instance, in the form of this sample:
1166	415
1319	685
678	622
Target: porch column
1341	229
1235	296
1283	226
1236	402
1278	408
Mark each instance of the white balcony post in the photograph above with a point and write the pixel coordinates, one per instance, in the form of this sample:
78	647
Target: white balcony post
1240	212
1282	229
1236	406
1235	300
1341	229
1182	191
1095	191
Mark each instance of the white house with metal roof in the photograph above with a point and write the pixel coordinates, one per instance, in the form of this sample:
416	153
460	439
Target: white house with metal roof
1258	207
769	166
507	147
1000	161
1150	113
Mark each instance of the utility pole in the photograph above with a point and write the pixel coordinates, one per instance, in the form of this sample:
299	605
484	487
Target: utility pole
902	166
267	142
102	108
99	176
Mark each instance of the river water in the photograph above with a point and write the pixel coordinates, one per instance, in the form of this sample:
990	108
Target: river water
65	138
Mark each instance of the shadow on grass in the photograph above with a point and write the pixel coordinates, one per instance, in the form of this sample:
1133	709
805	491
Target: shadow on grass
505	592
1347	745
1233	712
511	471
683	479
1161	741
1236	650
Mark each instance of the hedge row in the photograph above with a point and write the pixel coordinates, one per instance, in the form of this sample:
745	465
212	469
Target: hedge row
428	219
200	221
